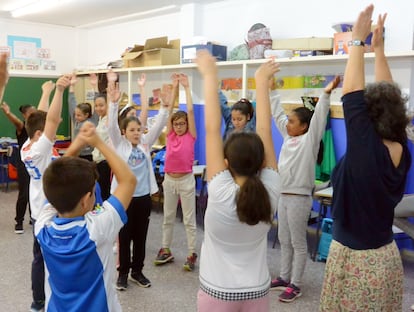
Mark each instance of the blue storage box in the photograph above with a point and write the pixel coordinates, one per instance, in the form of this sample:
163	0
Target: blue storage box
325	240
189	52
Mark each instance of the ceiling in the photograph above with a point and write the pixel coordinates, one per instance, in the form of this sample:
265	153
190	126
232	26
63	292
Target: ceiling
92	13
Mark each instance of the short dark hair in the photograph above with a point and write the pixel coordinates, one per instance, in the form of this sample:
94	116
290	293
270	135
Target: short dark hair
386	108
66	180
24	108
244	152
36	121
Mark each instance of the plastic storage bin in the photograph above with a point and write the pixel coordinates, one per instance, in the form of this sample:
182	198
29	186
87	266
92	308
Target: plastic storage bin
325	240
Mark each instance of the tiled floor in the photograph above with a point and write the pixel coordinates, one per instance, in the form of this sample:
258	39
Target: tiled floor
173	289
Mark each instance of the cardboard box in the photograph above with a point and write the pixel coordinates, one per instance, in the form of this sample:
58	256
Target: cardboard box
341	40
155	52
189	52
312	43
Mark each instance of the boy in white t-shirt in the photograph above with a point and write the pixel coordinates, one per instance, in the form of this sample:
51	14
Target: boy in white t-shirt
77	240
37	153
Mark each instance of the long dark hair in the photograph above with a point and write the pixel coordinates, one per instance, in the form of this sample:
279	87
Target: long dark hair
245	155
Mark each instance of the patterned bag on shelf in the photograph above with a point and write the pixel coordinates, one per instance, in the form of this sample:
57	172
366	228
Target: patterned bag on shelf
258	40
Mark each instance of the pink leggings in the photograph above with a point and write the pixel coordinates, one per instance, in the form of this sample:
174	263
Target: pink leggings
206	303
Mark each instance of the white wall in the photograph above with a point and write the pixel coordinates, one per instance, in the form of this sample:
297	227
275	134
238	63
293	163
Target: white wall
60	40
228	21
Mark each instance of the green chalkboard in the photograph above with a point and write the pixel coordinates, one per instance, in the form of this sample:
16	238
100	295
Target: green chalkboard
25	91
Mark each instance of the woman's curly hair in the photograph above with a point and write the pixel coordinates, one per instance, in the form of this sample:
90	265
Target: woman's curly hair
386	108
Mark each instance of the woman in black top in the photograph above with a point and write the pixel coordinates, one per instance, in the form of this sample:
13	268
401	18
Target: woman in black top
364	269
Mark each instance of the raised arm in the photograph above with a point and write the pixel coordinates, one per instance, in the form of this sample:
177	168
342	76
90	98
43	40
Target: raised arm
170	97
263	116
113	97
183	79
382	69
47	88
18	124
4	74
143	115
214	143
354	77
124	176
53	117
72	98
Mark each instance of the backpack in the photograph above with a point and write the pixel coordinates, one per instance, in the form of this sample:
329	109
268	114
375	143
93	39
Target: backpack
158	162
258	40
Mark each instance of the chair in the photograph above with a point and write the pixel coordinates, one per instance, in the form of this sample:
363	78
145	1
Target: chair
6	167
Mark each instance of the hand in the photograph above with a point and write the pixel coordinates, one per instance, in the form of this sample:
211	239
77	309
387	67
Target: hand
111	76
183	79
142	80
362	26
93	80
48	86
113	92
206	63
5	108
175	78
377	41
4	74
167	95
266	71
332	85
62	83
73	79
87	133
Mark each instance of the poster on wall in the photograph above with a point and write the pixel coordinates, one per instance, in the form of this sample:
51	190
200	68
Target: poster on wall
48	65
5	49
43	53
16	64
24	47
32	65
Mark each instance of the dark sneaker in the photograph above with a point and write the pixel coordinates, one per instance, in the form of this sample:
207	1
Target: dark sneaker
37	306
189	265
278	284
122	282
140	279
18	229
164	256
291	293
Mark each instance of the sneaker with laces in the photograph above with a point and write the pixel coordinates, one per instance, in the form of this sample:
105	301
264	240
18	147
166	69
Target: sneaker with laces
278	284
164	256
189	265
37	306
18	228
140	279
291	293
122	282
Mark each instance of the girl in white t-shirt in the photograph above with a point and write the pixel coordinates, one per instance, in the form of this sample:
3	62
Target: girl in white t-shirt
243	190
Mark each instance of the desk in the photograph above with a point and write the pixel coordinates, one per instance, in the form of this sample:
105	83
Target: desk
324	197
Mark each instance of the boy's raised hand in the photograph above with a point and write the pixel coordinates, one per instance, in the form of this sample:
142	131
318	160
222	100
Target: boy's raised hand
88	134
332	85
61	84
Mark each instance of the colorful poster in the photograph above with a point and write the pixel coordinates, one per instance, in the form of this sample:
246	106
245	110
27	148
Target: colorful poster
24	47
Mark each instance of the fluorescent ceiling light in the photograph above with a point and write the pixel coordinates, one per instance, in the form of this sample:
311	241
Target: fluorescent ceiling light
130	16
36	6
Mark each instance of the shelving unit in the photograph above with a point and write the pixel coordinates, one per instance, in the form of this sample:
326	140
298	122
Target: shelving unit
402	66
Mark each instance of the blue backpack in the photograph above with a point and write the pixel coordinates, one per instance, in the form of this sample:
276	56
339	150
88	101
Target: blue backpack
158	162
